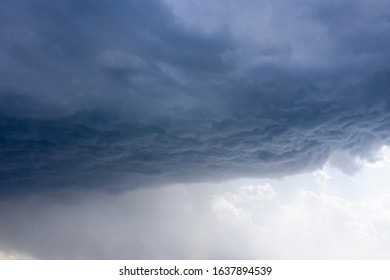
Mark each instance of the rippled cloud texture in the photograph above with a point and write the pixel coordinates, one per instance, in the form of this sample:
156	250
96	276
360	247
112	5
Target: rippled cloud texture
105	98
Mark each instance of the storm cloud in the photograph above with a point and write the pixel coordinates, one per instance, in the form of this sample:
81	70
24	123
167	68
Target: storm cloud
128	129
129	93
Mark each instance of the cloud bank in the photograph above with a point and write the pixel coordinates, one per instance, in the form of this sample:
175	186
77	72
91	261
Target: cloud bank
114	113
108	93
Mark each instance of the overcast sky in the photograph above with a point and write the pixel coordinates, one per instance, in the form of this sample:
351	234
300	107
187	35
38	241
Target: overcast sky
194	129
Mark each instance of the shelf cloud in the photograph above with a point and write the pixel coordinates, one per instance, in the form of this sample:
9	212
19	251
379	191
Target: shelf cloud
122	95
107	92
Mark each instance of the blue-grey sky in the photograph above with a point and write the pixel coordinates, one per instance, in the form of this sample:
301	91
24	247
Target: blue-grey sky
106	98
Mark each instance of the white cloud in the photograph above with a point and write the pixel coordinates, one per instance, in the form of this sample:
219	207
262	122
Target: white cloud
252	194
322	176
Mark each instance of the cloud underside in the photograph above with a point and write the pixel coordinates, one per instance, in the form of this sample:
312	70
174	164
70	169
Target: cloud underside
120	94
79	151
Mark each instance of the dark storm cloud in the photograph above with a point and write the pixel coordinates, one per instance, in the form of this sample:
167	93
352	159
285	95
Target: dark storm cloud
124	93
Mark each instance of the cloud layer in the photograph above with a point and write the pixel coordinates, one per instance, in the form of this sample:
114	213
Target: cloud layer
124	122
124	94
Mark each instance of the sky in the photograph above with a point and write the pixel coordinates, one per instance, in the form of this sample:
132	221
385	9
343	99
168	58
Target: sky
183	129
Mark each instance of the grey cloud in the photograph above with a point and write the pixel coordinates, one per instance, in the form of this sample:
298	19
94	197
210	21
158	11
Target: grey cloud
60	50
117	60
124	93
91	150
